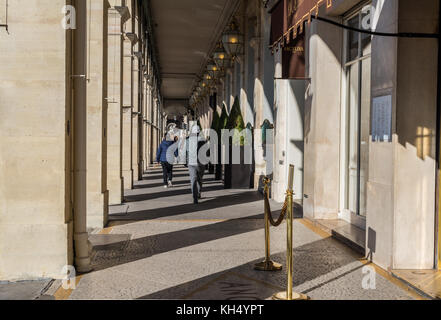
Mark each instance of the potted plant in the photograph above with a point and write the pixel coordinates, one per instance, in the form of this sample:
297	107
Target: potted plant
223	119
238	175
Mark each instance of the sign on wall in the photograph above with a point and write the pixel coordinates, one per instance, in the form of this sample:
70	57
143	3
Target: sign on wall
382	119
293	59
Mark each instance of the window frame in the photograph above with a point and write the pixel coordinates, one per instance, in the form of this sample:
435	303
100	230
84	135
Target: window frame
345	212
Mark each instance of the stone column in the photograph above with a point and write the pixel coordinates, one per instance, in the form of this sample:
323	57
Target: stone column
114	161
135	123
127	124
256	44
152	130
97	194
401	187
288	133
220	96
203	113
322	121
80	154
137	175
149	129
36	228
280	140
264	96
145	127
155	135
230	86
224	90
141	126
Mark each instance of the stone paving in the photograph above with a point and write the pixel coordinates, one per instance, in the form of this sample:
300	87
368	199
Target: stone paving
161	246
25	290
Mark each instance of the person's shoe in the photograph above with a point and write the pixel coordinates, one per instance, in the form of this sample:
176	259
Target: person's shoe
165	187
196	201
170	184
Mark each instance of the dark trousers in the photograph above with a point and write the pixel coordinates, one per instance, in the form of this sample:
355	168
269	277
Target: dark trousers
167	170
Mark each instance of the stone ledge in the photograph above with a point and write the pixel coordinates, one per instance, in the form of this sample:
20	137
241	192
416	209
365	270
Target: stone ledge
426	282
345	232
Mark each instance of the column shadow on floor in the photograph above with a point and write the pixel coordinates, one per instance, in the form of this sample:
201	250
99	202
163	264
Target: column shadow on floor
167	194
309	264
163	212
160	176
121	252
145	184
161	184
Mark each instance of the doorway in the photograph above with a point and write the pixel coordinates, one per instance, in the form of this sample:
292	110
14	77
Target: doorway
356	111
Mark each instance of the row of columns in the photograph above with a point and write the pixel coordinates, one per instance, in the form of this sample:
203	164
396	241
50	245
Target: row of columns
124	106
79	121
123	109
254	69
122	82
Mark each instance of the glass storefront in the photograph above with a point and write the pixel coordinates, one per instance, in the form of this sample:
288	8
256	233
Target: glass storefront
357	106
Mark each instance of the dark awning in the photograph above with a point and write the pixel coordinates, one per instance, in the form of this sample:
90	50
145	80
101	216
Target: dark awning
288	16
277	21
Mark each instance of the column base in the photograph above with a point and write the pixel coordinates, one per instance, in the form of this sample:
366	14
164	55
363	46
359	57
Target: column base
97	215
116	191
82	265
82	255
127	179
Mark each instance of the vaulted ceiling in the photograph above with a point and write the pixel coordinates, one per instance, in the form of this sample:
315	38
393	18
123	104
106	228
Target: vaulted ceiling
186	32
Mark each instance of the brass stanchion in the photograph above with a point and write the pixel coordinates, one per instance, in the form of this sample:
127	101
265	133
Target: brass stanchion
267	265
289	294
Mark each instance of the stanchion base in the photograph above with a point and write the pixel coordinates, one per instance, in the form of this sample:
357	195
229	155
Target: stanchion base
268	266
295	296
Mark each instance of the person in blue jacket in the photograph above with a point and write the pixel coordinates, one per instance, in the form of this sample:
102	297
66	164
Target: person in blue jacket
166	159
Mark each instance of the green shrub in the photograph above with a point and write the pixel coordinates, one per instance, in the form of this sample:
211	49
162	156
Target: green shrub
235	121
223	119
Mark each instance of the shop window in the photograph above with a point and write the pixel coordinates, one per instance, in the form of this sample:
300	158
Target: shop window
353	39
357	111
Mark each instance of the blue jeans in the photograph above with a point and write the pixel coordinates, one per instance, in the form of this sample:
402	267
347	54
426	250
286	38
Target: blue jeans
196	177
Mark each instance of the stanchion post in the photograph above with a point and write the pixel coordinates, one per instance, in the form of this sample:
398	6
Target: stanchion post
289	294
267	265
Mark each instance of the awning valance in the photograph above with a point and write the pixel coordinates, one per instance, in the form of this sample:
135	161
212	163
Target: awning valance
288	16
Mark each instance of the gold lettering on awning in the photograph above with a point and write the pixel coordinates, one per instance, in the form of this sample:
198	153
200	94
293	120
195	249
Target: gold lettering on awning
288	17
292	7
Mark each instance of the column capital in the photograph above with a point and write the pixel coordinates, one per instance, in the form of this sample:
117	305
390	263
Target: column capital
132	37
124	12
